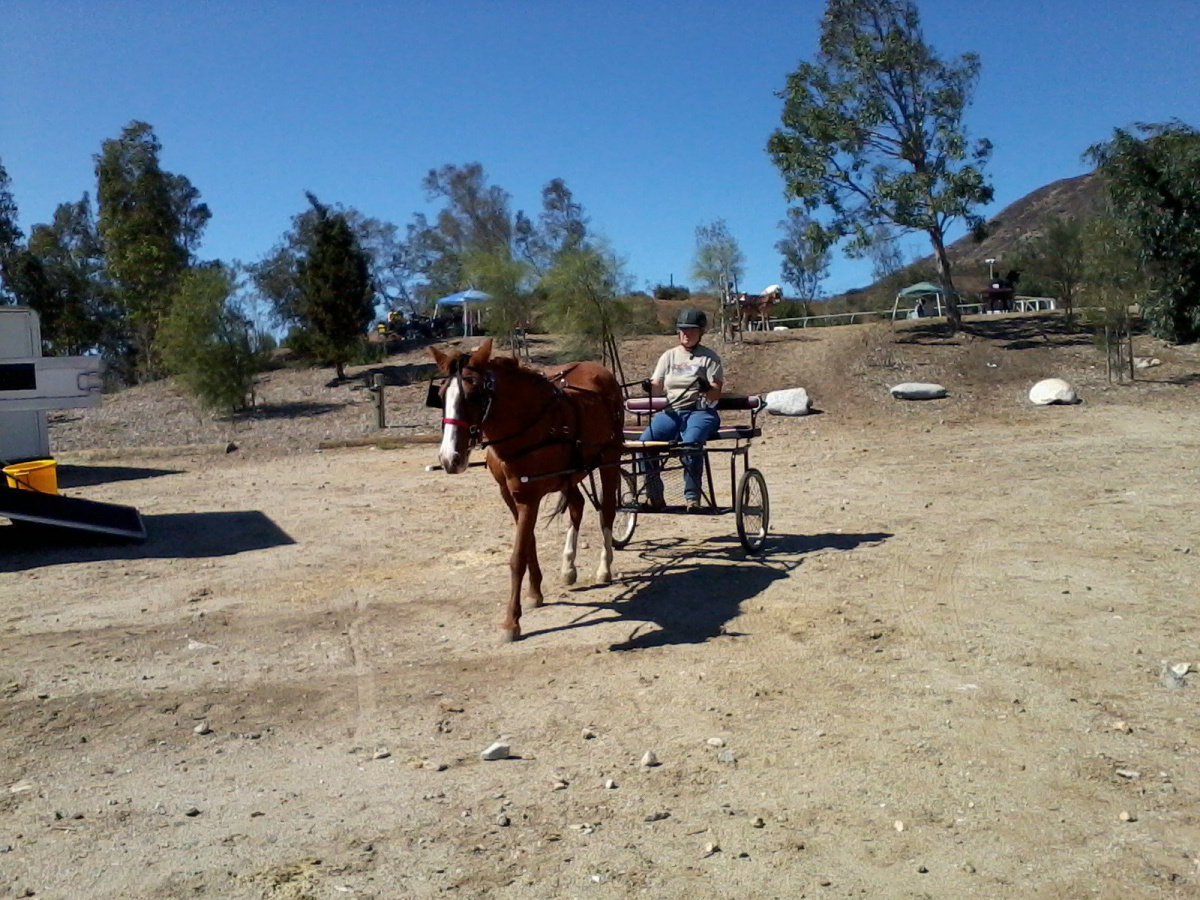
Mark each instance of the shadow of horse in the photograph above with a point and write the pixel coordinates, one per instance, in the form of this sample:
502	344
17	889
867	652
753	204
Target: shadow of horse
169	536
690	594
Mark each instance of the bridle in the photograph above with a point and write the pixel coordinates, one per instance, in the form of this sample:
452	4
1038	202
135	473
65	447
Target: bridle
485	396
435	397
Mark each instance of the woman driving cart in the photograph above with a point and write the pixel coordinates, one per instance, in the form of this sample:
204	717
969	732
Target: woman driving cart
691	376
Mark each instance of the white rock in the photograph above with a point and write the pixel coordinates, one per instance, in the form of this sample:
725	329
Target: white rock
918	390
1050	391
1146	362
609	784
716	742
202	728
789	402
498	750
649	759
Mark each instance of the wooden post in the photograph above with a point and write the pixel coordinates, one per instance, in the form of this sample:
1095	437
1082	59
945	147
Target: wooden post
380	408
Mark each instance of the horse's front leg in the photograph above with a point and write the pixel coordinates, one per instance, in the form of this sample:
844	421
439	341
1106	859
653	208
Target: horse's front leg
575	508
524	551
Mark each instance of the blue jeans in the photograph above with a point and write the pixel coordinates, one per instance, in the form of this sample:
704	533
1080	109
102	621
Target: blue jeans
689	426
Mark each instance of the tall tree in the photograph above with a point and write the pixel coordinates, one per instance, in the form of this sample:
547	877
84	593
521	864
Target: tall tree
586	292
507	280
805	255
873	131
335	293
150	223
719	264
11	236
475	217
561	226
1153	178
75	304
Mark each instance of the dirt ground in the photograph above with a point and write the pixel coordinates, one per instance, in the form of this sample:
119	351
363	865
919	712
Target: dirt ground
944	678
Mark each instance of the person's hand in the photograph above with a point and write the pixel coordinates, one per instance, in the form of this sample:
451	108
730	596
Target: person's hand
703	384
646	385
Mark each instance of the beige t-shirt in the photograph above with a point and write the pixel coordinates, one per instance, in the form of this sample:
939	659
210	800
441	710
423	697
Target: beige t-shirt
679	370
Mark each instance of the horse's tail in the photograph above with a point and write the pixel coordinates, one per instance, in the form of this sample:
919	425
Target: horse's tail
558	510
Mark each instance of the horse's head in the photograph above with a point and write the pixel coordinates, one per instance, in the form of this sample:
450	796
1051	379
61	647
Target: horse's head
466	394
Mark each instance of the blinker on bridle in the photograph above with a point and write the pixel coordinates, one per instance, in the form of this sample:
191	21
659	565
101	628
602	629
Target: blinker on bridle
435	396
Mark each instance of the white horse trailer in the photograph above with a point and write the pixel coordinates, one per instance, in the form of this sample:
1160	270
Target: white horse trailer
31	383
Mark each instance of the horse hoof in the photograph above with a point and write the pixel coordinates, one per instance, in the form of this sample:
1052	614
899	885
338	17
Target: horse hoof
508	635
569	576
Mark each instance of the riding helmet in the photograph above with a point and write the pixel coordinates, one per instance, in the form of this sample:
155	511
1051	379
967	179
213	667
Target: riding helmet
691	318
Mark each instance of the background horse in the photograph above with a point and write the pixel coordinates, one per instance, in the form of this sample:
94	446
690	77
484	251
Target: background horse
757	308
543	433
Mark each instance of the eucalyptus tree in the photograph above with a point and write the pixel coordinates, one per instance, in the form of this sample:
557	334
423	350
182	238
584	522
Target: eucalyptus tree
872	131
11	237
150	223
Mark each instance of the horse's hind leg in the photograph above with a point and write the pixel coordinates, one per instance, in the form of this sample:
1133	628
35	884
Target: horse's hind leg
574	500
610	482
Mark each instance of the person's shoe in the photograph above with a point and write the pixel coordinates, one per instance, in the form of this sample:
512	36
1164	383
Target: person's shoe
690	505
655	504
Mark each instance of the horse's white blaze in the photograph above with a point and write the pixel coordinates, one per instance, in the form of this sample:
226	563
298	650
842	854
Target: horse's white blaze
452	461
569	550
604	571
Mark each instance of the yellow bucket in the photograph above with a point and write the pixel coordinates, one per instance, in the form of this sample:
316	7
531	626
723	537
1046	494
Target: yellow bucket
37	475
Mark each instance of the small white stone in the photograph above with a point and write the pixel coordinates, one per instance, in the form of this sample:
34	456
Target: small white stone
609	784
1129	773
899	826
649	759
587	733
1127	816
498	750
202	728
716	742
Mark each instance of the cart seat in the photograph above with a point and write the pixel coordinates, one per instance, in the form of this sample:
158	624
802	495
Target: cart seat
644	405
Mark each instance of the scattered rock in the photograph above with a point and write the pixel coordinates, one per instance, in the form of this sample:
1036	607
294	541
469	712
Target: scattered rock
1172	677
503	821
560	786
1146	362
649	759
916	390
381	754
898	825
758	822
498	750
789	402
711	847
587	733
1127	816
202	728
716	742
657	817
727	757
435	766
1052	391
191	812
609	784
1122	727
1129	773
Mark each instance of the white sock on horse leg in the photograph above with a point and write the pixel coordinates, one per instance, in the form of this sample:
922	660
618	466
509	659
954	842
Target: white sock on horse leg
604	570
569	550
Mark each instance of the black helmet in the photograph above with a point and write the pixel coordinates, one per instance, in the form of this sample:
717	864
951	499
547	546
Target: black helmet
691	318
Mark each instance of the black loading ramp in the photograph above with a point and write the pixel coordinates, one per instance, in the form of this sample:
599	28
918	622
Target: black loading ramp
71	513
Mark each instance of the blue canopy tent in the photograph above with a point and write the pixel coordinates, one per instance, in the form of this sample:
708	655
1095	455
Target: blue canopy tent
465	300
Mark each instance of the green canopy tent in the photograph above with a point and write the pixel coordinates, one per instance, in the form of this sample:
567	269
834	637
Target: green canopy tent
920	291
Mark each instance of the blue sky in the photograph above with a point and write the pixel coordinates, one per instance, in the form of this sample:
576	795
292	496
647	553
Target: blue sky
655	114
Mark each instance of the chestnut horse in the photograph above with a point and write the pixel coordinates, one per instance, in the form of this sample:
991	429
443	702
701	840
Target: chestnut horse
753	308
544	432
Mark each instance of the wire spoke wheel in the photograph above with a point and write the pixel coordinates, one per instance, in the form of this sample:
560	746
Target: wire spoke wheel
752	510
627	511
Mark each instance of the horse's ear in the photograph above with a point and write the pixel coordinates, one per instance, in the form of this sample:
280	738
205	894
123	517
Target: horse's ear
442	359
483	354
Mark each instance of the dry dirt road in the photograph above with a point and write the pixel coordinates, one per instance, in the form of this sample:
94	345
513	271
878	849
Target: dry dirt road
944	679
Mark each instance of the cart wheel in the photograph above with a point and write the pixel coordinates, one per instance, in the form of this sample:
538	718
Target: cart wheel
626	518
752	510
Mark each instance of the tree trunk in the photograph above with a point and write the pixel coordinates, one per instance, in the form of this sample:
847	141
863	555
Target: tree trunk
953	315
